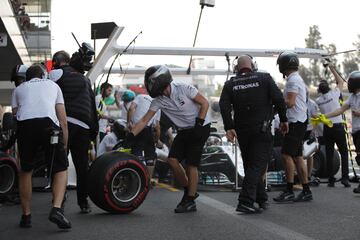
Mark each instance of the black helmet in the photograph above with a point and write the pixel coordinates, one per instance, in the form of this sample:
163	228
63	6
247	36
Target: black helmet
119	128
18	74
323	87
157	78
288	60
354	81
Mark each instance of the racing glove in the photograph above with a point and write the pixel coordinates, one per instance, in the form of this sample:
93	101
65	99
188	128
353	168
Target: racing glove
198	128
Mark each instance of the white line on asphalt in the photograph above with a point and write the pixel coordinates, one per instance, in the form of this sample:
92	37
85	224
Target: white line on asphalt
270	227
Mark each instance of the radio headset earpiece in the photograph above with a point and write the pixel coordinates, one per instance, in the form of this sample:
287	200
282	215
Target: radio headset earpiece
253	63
234	65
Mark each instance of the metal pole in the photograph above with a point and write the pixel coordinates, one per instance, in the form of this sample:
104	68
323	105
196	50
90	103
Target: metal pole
94	36
197	29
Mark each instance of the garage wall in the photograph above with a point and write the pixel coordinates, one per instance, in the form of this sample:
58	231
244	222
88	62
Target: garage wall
8	56
8	59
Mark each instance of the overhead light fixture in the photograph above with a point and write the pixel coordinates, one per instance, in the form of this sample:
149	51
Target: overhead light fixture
208	3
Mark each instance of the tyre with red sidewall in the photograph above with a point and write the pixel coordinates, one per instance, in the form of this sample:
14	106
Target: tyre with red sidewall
8	174
118	182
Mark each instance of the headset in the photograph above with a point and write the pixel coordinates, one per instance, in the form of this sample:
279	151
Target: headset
253	64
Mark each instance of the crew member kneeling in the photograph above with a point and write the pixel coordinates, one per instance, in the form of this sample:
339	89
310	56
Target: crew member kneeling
39	108
187	109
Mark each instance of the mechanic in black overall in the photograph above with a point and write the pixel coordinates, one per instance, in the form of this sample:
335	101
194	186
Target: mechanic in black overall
252	96
38	105
188	110
82	120
329	101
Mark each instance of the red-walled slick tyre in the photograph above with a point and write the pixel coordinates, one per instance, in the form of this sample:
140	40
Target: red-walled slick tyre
8	174
118	182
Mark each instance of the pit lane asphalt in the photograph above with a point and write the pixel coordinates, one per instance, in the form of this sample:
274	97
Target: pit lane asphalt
333	214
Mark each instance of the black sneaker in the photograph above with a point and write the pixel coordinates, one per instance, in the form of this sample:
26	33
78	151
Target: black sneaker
331	182
57	216
263	205
304	196
184	196
247	208
345	182
185	205
314	181
25	221
285	197
357	190
85	208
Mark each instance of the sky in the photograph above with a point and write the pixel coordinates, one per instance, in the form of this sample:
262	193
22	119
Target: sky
264	24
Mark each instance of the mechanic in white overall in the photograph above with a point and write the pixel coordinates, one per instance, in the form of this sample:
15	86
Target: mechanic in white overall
328	101
38	105
144	144
352	103
188	110
292	148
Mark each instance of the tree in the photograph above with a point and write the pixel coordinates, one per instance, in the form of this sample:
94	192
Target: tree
313	41
350	64
218	90
306	75
357	46
314	73
352	59
331	49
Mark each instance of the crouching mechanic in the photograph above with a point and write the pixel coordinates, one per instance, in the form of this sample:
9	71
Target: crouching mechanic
251	95
353	103
117	134
144	142
187	109
39	108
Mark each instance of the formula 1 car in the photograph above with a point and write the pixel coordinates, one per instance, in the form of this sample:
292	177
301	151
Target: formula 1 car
217	165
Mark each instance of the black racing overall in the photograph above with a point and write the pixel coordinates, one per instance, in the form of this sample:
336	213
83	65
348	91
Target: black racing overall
252	96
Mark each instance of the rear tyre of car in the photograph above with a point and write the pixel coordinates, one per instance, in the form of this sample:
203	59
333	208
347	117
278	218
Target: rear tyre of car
320	163
8	177
8	122
118	182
